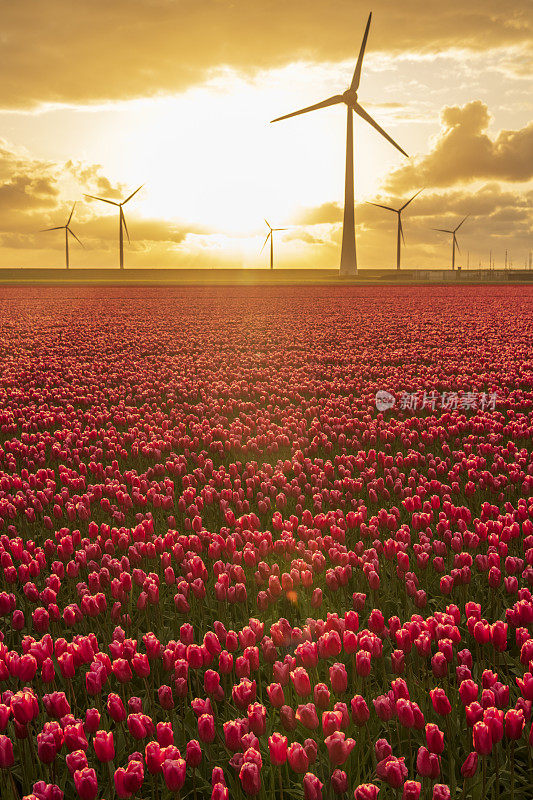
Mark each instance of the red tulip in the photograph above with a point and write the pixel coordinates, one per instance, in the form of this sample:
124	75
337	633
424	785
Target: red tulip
250	777
411	790
174	773
469	767
514	724
312	787
277	746
6	752
339	748
104	746
366	791
434	738
297	758
482	738
86	783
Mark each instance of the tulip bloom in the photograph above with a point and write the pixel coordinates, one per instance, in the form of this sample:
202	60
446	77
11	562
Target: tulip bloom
482	738
7	758
250	777
86	783
411	790
434	738
301	682
277	747
297	758
366	791
469	767
514	724
174	773
104	746
339	748
312	787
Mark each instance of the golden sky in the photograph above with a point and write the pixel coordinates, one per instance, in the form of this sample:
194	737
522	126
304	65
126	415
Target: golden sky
100	97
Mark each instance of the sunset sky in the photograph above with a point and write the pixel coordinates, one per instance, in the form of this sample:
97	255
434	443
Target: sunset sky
100	97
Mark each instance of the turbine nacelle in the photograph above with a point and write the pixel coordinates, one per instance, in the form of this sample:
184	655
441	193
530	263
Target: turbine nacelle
350	97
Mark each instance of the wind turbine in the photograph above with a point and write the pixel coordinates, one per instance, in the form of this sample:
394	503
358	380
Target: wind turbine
121	220
454	238
67	230
400	228
271	237
348	265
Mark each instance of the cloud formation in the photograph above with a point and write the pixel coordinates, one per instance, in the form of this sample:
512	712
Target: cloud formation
465	152
57	51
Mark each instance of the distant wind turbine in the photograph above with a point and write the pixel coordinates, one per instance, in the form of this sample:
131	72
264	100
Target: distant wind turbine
271	237
121	220
348	265
454	238
400	228
67	230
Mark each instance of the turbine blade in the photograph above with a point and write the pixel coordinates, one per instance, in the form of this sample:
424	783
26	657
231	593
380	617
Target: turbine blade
411	200
457	244
442	230
401	229
280	229
268	223
73	234
463	220
264	243
357	73
71	213
103	199
366	116
331	101
131	195
57	228
123	218
378	205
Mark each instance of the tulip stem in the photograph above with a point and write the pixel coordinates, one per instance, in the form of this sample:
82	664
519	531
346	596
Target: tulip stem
451	757
512	769
280	783
497	769
13	787
111	776
484	773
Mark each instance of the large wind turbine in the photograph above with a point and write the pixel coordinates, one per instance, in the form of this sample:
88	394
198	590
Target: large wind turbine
271	237
400	228
454	238
348	265
121	220
67	230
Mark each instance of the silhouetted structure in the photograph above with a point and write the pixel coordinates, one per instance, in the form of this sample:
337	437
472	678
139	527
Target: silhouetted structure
400	228
121	221
454	238
271	237
348	265
67	230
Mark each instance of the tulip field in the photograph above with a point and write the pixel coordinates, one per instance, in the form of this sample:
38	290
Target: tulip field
225	573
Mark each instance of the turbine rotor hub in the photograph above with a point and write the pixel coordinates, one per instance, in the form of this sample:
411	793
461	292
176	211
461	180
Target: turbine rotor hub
350	96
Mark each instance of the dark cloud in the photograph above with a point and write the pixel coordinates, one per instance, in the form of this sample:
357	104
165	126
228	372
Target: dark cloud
90	176
94	50
465	152
499	220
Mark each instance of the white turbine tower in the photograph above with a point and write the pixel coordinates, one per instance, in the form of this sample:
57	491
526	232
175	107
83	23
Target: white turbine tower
67	230
400	237
348	265
454	238
121	221
271	237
